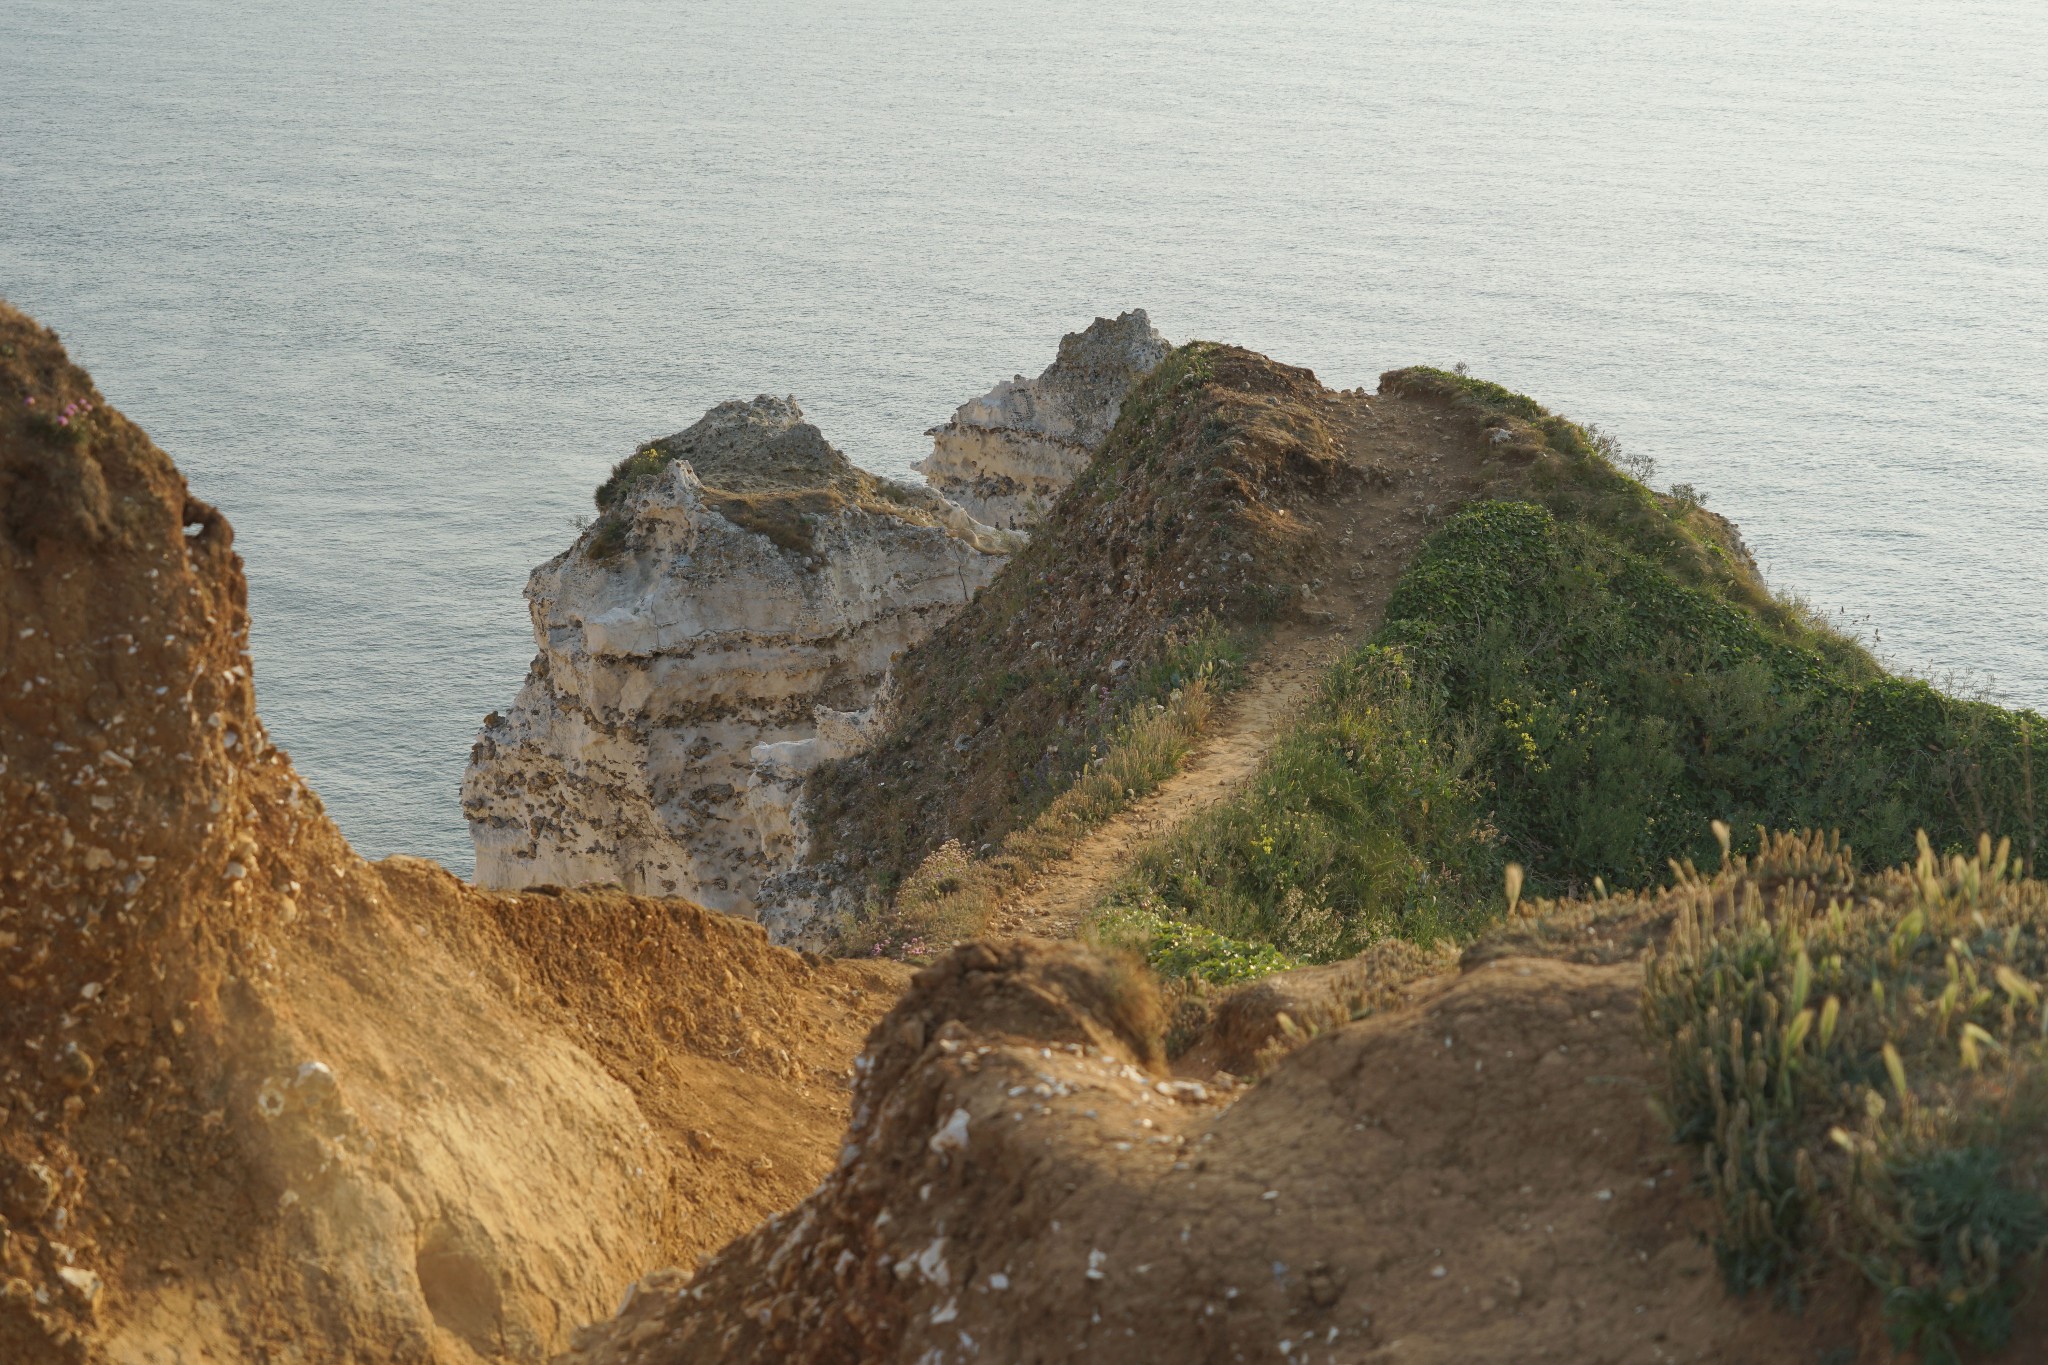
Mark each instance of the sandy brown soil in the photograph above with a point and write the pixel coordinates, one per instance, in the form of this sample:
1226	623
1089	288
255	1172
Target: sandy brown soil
1473	1176
261	1100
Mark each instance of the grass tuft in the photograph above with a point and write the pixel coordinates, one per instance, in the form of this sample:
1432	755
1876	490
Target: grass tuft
1857	1064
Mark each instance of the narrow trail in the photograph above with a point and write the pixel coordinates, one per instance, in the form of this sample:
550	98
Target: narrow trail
1283	678
1413	475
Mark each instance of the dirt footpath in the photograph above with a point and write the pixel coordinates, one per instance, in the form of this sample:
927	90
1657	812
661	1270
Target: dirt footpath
1412	475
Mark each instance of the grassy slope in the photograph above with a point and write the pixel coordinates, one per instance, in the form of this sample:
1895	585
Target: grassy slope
1578	675
1152	573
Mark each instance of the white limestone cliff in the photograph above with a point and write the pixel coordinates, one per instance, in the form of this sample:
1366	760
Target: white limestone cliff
729	623
1006	455
725	626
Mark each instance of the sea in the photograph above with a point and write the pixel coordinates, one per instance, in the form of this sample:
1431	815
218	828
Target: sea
396	281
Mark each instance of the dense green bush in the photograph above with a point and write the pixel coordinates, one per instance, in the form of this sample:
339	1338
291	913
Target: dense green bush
1615	710
1857	1064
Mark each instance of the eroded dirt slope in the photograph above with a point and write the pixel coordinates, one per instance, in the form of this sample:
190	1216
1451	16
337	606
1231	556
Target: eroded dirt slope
1038	1193
1471	1174
261	1100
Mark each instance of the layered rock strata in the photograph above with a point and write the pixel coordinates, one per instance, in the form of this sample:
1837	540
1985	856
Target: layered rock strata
726	625
1006	455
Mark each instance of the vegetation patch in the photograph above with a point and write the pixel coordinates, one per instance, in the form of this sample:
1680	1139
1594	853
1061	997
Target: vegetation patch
1857	1064
778	481
1578	675
1189	953
1614	710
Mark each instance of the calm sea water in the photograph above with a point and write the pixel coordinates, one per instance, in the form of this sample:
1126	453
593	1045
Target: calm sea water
396	282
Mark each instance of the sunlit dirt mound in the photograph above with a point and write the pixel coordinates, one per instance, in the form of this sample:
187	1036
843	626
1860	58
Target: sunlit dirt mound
261	1100
1470	1174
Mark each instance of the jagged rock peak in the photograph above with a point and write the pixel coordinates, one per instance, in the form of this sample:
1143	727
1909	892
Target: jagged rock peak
761	444
1006	455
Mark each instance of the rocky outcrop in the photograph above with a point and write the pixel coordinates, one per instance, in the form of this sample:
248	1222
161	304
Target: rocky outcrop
726	625
1006	455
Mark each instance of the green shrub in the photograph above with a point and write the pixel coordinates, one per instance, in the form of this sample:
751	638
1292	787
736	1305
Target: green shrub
1179	951
1857	1065
1616	710
628	474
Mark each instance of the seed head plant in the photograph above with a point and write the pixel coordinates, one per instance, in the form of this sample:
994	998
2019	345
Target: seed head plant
1857	1064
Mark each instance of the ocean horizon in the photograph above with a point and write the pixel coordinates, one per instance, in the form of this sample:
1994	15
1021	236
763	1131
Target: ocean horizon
395	285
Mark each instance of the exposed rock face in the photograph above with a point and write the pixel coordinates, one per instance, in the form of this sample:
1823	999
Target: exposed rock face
725	626
264	1101
1006	455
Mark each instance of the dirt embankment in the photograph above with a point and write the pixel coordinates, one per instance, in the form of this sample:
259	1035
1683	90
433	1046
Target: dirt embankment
1471	1176
261	1100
